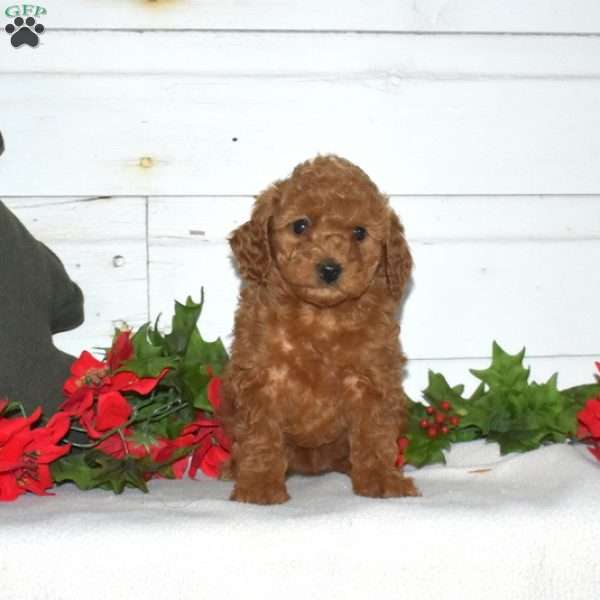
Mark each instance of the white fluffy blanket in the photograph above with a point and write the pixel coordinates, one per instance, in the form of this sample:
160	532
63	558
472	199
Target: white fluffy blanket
513	527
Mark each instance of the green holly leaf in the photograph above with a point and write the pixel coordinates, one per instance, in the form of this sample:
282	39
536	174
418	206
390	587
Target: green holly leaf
201	352
506	372
465	434
142	343
148	357
184	324
423	451
149	367
73	467
154	335
193	385
439	390
93	469
478	393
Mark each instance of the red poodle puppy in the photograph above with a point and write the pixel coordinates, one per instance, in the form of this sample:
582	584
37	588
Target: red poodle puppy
314	380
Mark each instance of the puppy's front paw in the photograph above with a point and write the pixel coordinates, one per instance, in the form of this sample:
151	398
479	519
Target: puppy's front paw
389	485
262	493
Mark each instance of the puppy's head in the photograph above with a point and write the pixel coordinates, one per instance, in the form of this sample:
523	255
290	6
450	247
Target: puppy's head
329	233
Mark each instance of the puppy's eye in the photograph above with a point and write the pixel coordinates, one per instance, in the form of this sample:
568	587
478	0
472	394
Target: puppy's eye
300	226
359	233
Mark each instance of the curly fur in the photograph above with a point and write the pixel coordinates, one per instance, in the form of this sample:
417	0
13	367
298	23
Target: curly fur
314	380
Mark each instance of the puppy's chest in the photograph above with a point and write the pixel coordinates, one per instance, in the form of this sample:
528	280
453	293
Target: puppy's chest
310	377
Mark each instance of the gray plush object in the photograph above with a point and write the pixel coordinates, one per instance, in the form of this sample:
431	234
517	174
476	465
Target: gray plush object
37	299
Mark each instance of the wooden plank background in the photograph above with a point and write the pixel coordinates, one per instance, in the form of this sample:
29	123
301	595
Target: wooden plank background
138	131
481	273
557	16
226	118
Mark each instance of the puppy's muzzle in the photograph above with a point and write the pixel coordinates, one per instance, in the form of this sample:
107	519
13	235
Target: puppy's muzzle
329	271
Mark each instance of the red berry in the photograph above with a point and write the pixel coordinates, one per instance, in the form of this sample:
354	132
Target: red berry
444	429
440	418
423	423
432	432
455	421
403	444
445	405
429	410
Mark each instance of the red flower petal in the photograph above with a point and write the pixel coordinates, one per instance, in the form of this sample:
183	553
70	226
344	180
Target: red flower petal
9	427
213	460
85	363
180	467
9	490
78	403
589	417
165	452
127	381
123	380
122	350
40	483
198	457
112	411
58	426
214	392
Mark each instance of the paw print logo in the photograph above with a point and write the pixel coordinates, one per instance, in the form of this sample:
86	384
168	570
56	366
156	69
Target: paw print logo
24	32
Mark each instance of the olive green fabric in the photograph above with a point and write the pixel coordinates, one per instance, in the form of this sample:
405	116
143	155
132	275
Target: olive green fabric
37	299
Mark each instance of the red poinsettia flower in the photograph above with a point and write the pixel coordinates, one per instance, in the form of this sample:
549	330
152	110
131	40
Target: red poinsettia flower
90	376
25	453
214	447
94	390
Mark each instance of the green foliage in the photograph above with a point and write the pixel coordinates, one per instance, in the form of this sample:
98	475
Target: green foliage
160	414
149	357
506	408
192	359
92	469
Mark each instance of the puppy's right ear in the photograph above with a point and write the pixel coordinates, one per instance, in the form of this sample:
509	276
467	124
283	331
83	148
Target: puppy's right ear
250	241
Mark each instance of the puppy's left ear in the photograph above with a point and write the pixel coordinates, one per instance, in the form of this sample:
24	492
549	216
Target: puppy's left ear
398	261
250	241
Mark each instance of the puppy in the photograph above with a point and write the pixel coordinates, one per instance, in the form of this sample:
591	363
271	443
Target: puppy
314	380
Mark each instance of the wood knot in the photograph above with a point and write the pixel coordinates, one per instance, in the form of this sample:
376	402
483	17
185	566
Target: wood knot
146	162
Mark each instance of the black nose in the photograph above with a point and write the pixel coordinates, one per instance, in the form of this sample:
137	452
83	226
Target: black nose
329	270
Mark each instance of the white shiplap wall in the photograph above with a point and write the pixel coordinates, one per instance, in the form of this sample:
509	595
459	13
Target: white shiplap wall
138	131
